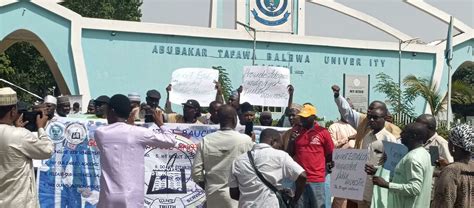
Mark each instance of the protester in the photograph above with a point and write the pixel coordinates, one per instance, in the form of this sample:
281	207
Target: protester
455	186
91	107
76	108
342	135
218	150
358	120
234	99
411	183
284	120
247	113
64	106
50	103
211	118
191	110
122	147
373	142
274	165
191	113
294	131
101	105
18	147
310	147
435	140
153	99
135	105
265	118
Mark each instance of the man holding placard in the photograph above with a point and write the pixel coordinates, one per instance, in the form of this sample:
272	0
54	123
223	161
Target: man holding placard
411	183
265	85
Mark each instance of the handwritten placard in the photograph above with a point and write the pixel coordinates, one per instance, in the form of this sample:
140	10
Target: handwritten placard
395	152
193	83
348	176
265	85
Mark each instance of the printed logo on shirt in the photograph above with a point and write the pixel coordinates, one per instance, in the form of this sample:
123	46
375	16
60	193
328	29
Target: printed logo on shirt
316	140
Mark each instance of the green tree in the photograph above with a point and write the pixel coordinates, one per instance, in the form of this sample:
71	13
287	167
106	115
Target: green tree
107	9
23	65
225	82
465	73
393	93
30	71
5	68
422	87
462	97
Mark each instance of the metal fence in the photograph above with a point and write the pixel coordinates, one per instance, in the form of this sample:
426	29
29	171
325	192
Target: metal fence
402	119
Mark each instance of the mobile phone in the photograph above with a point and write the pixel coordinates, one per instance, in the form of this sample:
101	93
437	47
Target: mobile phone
249	128
30	116
434	152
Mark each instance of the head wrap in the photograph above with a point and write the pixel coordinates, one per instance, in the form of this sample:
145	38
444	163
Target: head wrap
462	136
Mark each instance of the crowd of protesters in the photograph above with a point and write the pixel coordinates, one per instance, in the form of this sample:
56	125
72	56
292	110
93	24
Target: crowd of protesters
233	167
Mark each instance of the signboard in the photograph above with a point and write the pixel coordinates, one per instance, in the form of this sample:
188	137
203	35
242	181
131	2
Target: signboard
265	86
356	89
193	83
272	15
71	176
348	176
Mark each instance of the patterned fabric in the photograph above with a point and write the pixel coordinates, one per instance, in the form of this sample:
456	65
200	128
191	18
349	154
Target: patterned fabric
463	137
455	186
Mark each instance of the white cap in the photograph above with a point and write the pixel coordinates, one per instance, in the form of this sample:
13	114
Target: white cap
7	96
50	99
134	97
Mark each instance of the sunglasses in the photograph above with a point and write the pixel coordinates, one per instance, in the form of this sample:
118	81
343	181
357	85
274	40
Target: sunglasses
374	117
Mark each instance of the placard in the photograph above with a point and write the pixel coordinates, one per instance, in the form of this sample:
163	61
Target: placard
348	176
265	86
395	152
193	83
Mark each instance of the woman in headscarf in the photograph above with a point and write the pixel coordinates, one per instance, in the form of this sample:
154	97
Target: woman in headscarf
455	185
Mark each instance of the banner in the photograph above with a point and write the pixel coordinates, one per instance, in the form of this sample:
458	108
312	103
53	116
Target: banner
265	86
193	83
348	176
70	178
272	15
356	89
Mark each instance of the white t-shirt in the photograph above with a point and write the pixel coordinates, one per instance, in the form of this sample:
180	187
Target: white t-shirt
275	165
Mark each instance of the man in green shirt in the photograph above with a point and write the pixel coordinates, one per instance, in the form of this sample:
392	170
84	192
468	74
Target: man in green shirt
411	183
